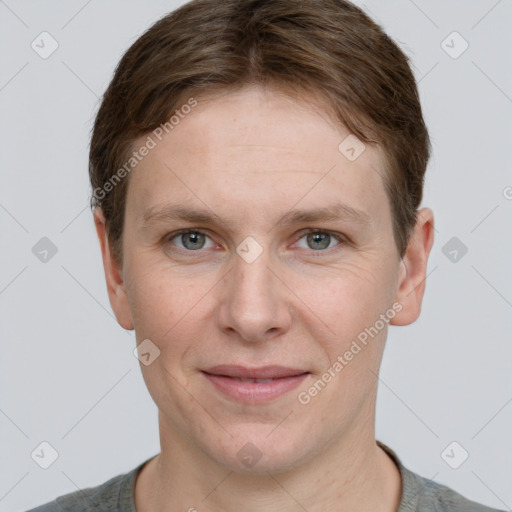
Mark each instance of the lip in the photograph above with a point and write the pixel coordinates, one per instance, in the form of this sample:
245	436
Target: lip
262	372
279	381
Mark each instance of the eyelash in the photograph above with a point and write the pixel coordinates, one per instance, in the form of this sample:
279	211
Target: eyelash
340	238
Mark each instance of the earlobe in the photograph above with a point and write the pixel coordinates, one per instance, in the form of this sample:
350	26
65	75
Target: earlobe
413	269
113	275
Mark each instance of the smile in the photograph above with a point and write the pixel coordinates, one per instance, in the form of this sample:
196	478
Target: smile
254	386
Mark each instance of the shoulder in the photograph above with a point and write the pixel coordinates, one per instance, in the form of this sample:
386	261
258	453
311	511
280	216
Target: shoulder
114	495
437	497
419	494
102	497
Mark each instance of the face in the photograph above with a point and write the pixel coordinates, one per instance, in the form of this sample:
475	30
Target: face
287	258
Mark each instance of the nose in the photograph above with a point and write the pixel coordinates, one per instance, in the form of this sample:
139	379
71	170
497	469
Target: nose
254	302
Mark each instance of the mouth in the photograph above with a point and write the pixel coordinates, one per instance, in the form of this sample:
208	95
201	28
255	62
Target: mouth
254	385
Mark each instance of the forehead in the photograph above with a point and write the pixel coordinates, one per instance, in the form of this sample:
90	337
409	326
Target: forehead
256	151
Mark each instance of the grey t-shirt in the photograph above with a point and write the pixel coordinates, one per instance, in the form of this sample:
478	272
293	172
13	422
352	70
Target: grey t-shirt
117	495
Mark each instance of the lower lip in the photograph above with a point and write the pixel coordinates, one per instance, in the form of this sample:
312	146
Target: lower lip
254	392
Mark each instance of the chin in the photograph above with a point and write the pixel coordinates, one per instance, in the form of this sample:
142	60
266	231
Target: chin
257	453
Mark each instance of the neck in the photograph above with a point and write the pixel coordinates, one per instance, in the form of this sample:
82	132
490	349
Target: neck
350	474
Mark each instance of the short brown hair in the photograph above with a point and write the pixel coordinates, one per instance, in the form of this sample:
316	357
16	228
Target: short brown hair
330	48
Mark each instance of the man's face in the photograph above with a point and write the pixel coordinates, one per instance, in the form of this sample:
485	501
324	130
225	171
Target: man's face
204	298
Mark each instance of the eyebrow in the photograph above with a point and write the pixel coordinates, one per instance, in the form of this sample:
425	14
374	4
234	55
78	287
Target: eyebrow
339	211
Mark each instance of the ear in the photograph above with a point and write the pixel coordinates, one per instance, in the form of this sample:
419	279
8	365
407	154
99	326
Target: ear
413	271
113	275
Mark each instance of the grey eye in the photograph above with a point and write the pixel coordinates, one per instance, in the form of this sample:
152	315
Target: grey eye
191	240
318	241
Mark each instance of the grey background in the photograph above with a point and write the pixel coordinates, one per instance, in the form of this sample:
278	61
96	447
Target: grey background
67	372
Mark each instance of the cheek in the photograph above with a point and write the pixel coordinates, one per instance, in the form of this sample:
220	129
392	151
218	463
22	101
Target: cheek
347	297
172	312
157	304
340	313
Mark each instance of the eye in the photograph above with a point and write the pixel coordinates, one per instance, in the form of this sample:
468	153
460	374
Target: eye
191	239
317	240
195	239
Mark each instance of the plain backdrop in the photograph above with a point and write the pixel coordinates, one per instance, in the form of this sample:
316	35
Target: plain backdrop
68	376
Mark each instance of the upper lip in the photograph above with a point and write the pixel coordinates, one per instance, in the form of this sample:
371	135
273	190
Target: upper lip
262	372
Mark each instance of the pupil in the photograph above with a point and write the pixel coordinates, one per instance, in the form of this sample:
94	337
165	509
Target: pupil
320	238
195	238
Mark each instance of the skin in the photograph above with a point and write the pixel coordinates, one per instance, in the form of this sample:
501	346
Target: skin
251	157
